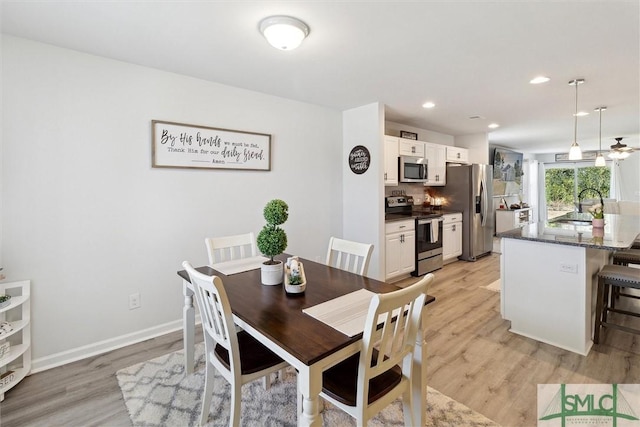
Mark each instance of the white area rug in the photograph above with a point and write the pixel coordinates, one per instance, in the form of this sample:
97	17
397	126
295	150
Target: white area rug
495	286
158	393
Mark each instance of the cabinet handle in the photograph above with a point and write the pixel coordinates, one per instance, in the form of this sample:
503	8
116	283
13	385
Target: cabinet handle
458	155
453	228
385	176
403	226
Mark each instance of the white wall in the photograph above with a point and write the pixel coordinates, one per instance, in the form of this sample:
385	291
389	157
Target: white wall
393	129
86	218
363	194
478	146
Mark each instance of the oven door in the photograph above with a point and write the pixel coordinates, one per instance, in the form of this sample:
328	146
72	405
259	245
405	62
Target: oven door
428	237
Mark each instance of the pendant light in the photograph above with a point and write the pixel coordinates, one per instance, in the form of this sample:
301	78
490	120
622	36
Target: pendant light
574	152
600	158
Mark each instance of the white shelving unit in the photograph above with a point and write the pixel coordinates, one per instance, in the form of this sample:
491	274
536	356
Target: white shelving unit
16	364
508	219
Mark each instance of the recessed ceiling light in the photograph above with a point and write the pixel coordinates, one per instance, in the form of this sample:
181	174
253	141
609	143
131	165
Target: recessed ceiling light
494	126
581	114
539	79
428	105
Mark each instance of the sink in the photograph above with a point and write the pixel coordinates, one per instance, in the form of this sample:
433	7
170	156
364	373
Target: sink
572	221
573	218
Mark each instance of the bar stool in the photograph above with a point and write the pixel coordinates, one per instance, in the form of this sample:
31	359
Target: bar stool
624	257
615	276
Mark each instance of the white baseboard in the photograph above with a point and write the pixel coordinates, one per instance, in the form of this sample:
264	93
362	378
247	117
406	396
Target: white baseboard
79	353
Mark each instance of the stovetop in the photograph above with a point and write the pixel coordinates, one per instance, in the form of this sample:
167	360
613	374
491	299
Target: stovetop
402	207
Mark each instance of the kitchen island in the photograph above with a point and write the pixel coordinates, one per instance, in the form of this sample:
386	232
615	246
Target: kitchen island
548	275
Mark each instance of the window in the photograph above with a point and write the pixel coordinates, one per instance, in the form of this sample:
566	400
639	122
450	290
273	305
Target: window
564	182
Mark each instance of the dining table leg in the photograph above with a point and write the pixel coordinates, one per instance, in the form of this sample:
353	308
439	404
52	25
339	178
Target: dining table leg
310	385
188	327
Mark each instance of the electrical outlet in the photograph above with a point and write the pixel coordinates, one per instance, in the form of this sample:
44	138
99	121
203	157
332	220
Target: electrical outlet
568	268
134	301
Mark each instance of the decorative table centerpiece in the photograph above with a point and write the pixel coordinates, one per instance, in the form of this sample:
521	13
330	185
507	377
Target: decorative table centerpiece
597	212
272	241
295	282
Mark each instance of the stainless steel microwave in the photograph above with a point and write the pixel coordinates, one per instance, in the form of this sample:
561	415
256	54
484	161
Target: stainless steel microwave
412	169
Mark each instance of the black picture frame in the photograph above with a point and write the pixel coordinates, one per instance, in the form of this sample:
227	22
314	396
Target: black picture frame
408	135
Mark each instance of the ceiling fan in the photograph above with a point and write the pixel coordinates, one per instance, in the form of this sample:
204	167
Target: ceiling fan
619	150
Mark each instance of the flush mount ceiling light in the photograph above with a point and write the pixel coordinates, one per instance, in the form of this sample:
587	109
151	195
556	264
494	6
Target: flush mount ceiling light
284	32
428	105
574	152
619	150
539	79
600	158
494	126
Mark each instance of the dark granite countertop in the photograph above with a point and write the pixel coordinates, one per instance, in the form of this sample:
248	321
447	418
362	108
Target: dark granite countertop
574	229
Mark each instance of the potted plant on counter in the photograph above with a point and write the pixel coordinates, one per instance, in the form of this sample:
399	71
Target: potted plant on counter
272	241
597	212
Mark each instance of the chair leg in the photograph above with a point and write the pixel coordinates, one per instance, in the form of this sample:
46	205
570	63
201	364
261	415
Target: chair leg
407	408
599	304
236	401
266	382
207	394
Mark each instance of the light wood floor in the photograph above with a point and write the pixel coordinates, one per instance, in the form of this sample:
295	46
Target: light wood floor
472	357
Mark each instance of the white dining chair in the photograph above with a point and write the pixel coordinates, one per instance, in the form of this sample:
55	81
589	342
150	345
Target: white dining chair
237	356
348	255
228	248
368	381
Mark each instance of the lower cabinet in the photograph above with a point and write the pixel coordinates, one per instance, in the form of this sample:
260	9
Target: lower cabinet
451	237
400	248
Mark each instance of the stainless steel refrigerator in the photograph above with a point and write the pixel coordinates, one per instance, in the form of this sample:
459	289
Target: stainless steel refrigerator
469	190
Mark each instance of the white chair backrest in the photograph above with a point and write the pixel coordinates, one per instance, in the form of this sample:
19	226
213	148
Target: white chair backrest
396	340
215	311
231	247
348	255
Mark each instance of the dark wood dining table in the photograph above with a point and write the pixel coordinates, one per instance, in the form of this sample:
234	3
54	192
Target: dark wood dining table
276	319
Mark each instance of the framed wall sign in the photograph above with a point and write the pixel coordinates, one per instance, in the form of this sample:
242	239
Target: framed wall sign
408	135
359	159
178	145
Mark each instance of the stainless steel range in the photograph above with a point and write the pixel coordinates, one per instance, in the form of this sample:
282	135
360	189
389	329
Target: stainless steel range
428	232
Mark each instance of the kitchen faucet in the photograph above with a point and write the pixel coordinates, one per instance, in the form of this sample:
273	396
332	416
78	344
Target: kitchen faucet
580	198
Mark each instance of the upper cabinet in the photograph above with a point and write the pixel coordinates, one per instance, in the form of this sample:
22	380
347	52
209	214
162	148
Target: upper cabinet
390	160
410	147
457	155
436	155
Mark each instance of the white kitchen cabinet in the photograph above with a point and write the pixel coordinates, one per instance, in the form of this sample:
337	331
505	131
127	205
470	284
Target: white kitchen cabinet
15	335
400	248
390	160
508	219
436	155
410	147
457	155
451	237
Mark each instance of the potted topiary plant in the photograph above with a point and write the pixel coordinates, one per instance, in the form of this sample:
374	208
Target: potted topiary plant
272	241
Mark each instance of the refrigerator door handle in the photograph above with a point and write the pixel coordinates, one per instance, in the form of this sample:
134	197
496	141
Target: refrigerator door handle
483	203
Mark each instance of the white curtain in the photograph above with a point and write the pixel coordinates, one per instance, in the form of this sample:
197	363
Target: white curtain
615	181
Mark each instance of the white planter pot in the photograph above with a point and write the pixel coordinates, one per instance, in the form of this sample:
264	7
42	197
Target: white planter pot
272	274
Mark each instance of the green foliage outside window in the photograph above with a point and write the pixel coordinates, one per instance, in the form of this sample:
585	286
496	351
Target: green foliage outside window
559	184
